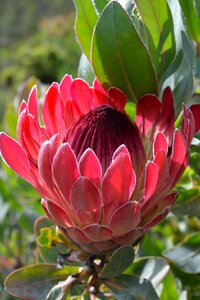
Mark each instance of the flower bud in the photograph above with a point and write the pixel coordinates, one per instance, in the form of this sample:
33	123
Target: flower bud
104	129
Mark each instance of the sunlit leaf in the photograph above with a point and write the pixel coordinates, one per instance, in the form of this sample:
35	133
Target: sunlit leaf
157	18
191	12
49	237
85	21
169	288
151	245
128	5
184	259
126	287
118	55
152	268
130	109
186	181
99	5
178	21
49	240
85	70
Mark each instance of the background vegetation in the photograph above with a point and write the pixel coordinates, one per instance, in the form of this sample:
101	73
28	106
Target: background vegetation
36	40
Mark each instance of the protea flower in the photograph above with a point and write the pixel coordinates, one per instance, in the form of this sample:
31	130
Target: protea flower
104	179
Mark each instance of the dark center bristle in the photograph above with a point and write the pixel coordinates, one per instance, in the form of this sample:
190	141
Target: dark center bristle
104	129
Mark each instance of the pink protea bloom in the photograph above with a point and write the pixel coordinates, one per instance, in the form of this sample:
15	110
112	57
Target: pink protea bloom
104	179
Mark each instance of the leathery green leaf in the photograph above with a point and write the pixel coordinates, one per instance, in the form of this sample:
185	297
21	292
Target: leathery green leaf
186	256
184	260
118	262
152	268
192	16
35	282
126	287
99	5
169	288
86	18
157	19
85	70
118	55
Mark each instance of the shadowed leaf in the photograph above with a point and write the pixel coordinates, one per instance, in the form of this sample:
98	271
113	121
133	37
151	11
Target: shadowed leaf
35	282
118	262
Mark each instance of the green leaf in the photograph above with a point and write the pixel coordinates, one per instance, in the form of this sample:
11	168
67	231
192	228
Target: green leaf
179	74
85	70
169	289
187	255
152	268
188	49
157	271
194	293
188	203
86	19
48	237
151	245
185	259
179	26
197	75
118	55
168	77
128	5
139	26
184	87
158	21
118	262
197	6
191	12
195	142
61	290
195	156
130	109
186	181
181	80
126	287
50	241
99	5
35	282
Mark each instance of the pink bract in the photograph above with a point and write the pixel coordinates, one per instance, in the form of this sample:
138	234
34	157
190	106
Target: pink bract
104	179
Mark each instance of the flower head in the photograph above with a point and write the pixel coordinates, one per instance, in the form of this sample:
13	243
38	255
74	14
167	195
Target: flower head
104	179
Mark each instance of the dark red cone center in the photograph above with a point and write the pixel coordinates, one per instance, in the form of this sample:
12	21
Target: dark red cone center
104	129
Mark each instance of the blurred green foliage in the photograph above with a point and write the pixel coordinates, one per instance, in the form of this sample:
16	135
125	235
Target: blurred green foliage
36	39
